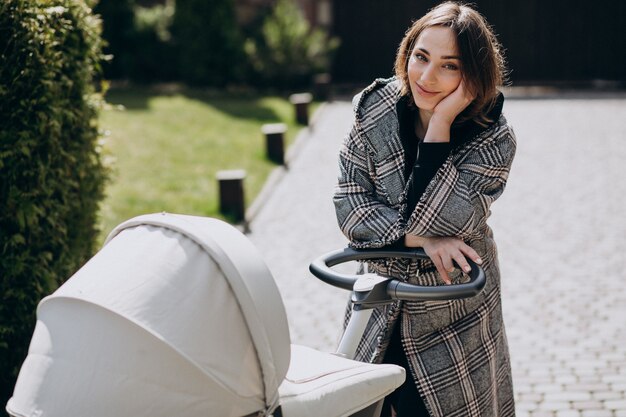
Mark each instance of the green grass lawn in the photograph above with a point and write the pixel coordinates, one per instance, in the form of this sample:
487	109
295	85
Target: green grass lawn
165	149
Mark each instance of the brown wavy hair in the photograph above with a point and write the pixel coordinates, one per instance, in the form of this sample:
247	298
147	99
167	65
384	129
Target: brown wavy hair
482	60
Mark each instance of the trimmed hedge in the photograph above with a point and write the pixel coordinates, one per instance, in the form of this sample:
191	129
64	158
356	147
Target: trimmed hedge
51	175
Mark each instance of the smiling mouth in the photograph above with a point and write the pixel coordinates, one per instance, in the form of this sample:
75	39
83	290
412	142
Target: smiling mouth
425	92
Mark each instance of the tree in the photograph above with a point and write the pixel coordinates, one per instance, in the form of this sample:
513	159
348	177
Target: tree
288	52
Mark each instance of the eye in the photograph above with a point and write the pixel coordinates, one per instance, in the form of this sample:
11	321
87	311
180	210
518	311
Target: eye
420	57
451	67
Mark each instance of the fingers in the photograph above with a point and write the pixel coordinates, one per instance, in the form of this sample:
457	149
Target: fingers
454	256
468	93
446	252
461	256
471	253
441	269
460	260
468	97
446	260
452	105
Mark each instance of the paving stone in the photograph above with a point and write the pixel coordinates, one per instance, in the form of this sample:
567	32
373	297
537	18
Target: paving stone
617	378
568	413
567	396
524	405
619	386
590	379
566	378
542	413
587	387
548	388
607	395
554	405
596	413
531	397
615	404
588	405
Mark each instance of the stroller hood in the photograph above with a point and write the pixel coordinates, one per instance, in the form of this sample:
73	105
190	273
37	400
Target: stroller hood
176	315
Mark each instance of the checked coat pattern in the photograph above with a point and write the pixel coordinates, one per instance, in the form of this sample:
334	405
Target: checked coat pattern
457	350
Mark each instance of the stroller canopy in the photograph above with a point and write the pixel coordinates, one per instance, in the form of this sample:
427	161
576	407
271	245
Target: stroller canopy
134	332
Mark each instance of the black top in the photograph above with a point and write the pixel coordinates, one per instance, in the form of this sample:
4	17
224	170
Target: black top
424	159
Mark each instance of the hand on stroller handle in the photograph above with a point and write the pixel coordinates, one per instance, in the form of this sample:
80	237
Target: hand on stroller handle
395	289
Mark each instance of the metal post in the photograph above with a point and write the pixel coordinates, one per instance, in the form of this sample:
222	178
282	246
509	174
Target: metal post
275	141
301	103
232	194
353	333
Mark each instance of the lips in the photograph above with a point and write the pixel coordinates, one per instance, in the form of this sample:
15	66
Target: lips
425	92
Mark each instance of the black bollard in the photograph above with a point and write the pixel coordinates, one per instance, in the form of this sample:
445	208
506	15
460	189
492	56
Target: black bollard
301	103
275	141
232	194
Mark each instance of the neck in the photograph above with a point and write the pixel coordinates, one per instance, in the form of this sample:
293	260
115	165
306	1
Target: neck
422	122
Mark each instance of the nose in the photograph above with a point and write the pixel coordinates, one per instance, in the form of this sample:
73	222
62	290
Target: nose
428	75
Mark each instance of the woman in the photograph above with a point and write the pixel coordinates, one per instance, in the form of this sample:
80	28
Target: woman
428	153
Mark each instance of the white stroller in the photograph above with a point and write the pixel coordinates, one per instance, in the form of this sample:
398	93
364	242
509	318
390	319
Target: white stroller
179	316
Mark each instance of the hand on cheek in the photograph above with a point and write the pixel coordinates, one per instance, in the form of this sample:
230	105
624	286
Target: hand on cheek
453	104
445	112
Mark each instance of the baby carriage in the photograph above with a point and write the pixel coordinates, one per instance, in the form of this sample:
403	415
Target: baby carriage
179	316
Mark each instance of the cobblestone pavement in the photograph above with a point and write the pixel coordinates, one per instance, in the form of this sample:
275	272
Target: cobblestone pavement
561	231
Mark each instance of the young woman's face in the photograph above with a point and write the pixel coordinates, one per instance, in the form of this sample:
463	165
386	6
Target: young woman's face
434	68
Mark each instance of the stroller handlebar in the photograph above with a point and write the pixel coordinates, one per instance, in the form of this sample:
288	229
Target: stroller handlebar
397	290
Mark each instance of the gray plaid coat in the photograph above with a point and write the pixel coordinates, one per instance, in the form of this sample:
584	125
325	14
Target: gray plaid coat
457	350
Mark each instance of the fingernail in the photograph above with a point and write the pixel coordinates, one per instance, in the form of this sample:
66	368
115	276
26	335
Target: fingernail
479	261
468	268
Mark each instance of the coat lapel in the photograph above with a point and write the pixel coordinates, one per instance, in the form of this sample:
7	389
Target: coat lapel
380	131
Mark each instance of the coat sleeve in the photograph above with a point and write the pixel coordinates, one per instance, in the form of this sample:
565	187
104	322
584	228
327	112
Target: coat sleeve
366	219
456	201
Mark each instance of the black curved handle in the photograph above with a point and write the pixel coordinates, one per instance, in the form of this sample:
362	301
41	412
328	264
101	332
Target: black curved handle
397	290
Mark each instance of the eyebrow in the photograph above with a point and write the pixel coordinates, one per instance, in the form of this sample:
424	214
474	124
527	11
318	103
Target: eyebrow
443	57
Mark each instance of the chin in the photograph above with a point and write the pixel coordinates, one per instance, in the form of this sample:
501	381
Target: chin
427	105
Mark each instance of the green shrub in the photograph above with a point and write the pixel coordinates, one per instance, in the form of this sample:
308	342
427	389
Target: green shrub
209	42
287	52
51	175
